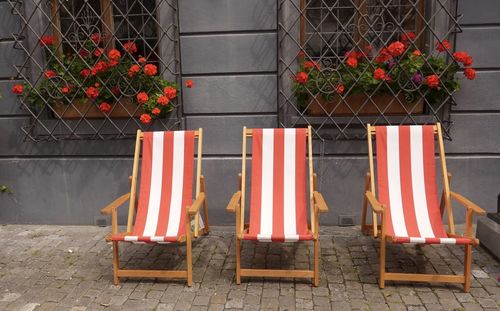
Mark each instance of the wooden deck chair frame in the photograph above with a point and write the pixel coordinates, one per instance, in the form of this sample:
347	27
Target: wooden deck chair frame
237	205
192	211
446	206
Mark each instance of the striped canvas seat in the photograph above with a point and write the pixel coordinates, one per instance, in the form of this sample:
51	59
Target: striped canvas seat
278	186
406	178
165	188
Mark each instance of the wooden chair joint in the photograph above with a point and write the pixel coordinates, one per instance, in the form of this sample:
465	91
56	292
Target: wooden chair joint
194	209
320	202
115	204
234	202
469	205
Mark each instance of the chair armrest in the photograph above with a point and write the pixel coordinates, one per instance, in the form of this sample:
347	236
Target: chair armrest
374	203
115	204
320	202
233	203
467	203
195	207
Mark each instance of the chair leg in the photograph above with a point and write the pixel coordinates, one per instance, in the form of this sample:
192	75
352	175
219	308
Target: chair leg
316	262
381	281
467	267
116	262
238	261
189	261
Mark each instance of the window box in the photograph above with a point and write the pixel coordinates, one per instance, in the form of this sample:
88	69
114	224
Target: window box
125	108
361	104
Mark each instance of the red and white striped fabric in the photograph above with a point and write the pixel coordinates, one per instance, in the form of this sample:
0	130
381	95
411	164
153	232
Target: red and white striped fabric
278	201
406	178
166	187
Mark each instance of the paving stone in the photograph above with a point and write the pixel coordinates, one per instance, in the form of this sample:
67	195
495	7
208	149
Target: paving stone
348	276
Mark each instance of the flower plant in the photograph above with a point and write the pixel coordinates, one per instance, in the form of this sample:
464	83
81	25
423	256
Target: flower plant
91	75
398	67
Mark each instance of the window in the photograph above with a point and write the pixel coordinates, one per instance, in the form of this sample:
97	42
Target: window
99	69
346	63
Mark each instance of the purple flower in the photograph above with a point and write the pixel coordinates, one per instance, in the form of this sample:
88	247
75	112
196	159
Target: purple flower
417	78
392	63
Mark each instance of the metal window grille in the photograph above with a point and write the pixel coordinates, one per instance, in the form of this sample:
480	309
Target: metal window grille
337	102
81	34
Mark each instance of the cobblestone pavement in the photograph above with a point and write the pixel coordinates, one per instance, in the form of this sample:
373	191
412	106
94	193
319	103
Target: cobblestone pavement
70	268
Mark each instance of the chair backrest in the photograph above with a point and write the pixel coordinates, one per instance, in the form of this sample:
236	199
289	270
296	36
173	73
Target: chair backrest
406	180
278	202
166	186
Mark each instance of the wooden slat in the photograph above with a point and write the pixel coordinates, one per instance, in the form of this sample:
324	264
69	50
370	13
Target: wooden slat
152	273
56	27
390	276
133	187
277	273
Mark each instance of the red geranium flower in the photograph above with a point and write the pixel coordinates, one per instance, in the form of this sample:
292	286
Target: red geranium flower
100	66
301	78
96	37
142	97
301	54
417	53
156	111
92	92
145	118
352	62
105	107
432	81
85	73
83	53
396	48
443	46
142	60
308	64
470	73
17	89
170	92
116	91
383	56
379	74
130	47
463	57
112	63
311	64
133	70
163	100
49	74
408	36
340	89
65	89
368	49
150	70
114	54
98	52
189	84
47	40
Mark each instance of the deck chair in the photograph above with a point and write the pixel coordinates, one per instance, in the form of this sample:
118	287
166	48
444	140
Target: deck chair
278	201
407	204
164	211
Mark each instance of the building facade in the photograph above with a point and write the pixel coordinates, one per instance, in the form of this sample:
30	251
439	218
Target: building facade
230	50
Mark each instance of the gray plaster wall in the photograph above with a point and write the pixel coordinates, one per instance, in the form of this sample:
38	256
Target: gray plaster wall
229	48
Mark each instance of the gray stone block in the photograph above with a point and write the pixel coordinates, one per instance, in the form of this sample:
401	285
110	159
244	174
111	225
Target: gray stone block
227	15
488	233
231	94
229	53
482	44
9	23
479	12
481	94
